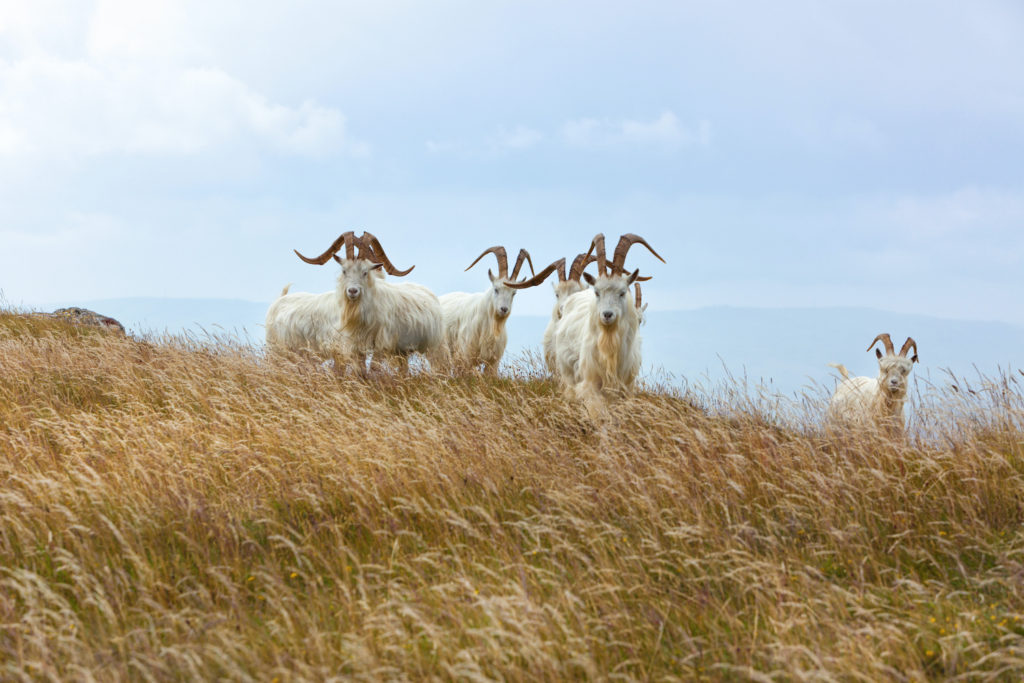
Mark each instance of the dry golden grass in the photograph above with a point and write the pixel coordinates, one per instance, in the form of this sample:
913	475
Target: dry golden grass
181	510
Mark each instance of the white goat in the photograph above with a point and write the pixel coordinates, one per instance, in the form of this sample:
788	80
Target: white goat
878	402
564	288
365	314
474	324
597	350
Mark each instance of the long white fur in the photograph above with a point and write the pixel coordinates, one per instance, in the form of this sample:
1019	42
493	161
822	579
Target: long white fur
594	359
872	401
391	320
304	322
474	329
563	290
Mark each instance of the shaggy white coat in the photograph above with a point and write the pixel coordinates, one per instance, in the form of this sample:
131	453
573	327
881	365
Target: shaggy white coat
563	290
872	401
474	334
594	359
388	319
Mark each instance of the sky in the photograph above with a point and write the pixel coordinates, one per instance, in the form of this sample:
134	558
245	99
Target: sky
794	153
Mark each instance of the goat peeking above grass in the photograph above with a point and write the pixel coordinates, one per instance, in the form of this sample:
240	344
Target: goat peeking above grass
870	401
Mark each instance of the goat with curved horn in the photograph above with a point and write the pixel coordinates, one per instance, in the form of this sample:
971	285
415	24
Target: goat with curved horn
365	314
474	323
867	401
595	348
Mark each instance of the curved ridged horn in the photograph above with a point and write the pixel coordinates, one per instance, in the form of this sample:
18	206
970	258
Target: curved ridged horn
907	345
558	265
639	297
523	256
597	248
622	248
889	350
373	245
502	257
579	264
345	238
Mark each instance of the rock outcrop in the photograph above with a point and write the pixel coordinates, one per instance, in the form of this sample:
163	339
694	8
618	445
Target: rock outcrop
83	316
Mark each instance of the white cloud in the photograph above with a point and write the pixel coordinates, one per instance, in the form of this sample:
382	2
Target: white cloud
519	137
68	108
130	29
122	77
665	132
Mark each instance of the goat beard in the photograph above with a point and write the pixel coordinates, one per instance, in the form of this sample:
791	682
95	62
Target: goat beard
497	324
890	405
609	344
351	314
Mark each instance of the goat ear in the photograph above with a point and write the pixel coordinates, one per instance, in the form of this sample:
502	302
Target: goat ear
913	359
878	353
633	277
335	257
490	275
590	279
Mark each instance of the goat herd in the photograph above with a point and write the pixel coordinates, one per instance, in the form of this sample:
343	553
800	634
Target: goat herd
590	344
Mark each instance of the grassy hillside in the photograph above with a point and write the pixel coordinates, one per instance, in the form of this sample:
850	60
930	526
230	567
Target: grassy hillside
174	510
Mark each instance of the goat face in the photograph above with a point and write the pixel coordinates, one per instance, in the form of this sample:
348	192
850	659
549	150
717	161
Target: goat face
613	300
501	296
893	372
356	276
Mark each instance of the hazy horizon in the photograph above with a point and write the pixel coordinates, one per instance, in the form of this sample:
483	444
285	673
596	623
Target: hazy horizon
786	348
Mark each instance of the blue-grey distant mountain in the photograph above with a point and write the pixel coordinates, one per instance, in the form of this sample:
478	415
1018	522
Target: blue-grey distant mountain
785	348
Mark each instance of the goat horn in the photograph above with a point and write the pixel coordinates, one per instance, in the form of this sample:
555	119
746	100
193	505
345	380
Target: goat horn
500	254
625	242
579	264
907	345
373	245
639	297
365	251
597	248
523	255
889	350
558	265
345	238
